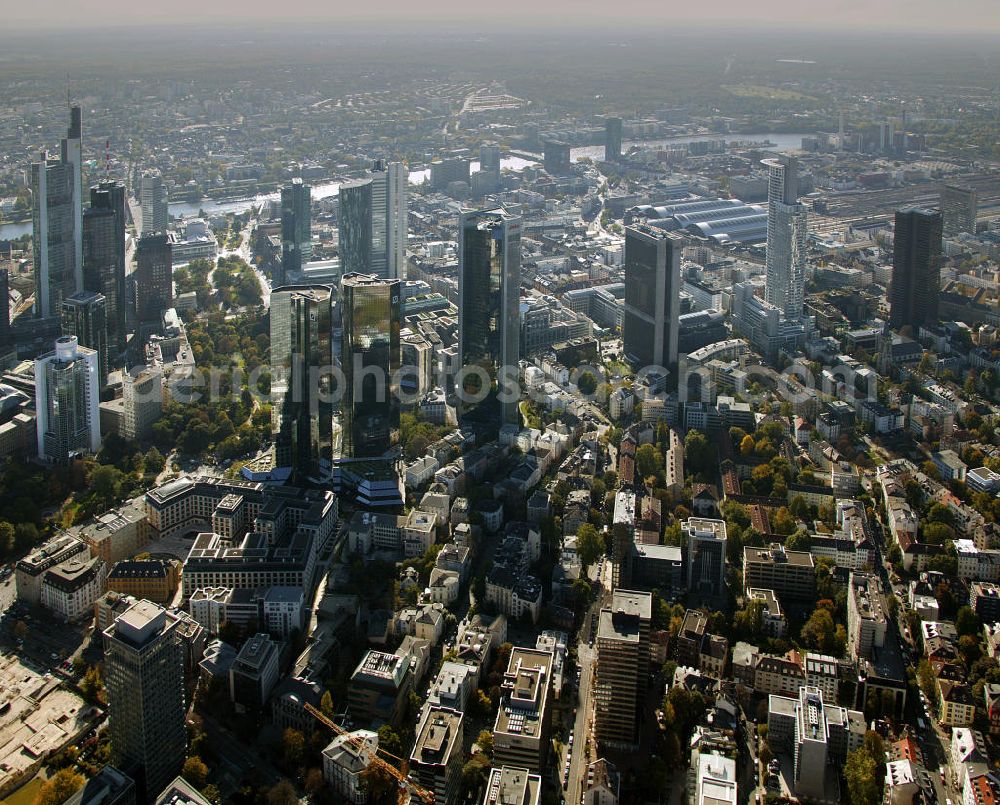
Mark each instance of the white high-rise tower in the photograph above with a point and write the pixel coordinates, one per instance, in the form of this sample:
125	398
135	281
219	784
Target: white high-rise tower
787	230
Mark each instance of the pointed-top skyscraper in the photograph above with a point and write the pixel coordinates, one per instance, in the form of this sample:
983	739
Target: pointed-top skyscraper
57	221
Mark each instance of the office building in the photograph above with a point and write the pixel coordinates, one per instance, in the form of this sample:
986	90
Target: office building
142	401
810	744
154	290
509	785
57	221
521	729
867	621
300	348
69	590
791	575
390	224
254	673
355	226
379	688
556	158
144	677
345	765
84	316
612	139
715	780
32	568
488	311
181	792
4	308
449	170
153	198
436	759
817	735
916	269
489	157
373	222
787	230
706	555
296	230
155	580
652	296
67	398
622	668
370	361
104	259
108	787
959	208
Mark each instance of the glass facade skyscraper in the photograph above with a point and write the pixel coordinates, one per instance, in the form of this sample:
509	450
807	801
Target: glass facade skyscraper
355	227
373	222
296	229
916	269
104	258
153	276
612	139
489	324
66	402
57	221
370	360
85	316
652	296
302	379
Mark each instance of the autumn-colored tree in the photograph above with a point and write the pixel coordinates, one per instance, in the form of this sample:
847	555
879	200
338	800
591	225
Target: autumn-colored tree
195	772
60	787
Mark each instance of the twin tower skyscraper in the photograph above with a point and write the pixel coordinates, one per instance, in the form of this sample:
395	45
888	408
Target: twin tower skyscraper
368	311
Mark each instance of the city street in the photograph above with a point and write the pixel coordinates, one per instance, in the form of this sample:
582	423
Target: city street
583	746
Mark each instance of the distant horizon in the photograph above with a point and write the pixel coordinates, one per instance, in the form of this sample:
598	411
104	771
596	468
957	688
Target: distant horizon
961	17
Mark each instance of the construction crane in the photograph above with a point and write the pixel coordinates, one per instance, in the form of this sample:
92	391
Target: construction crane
406	786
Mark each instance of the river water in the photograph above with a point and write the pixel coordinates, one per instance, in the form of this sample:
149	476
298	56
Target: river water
782	142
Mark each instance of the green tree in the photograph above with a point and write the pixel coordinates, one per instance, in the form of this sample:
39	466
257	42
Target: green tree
326	703
293	746
819	632
649	460
589	544
587	383
864	786
699	453
783	521
389	740
967	622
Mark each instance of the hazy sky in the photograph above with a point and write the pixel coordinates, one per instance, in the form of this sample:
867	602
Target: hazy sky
982	16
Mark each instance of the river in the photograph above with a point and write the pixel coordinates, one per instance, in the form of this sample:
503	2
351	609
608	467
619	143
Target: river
182	209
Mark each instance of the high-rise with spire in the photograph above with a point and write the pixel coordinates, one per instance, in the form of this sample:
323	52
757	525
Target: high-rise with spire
57	221
787	229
